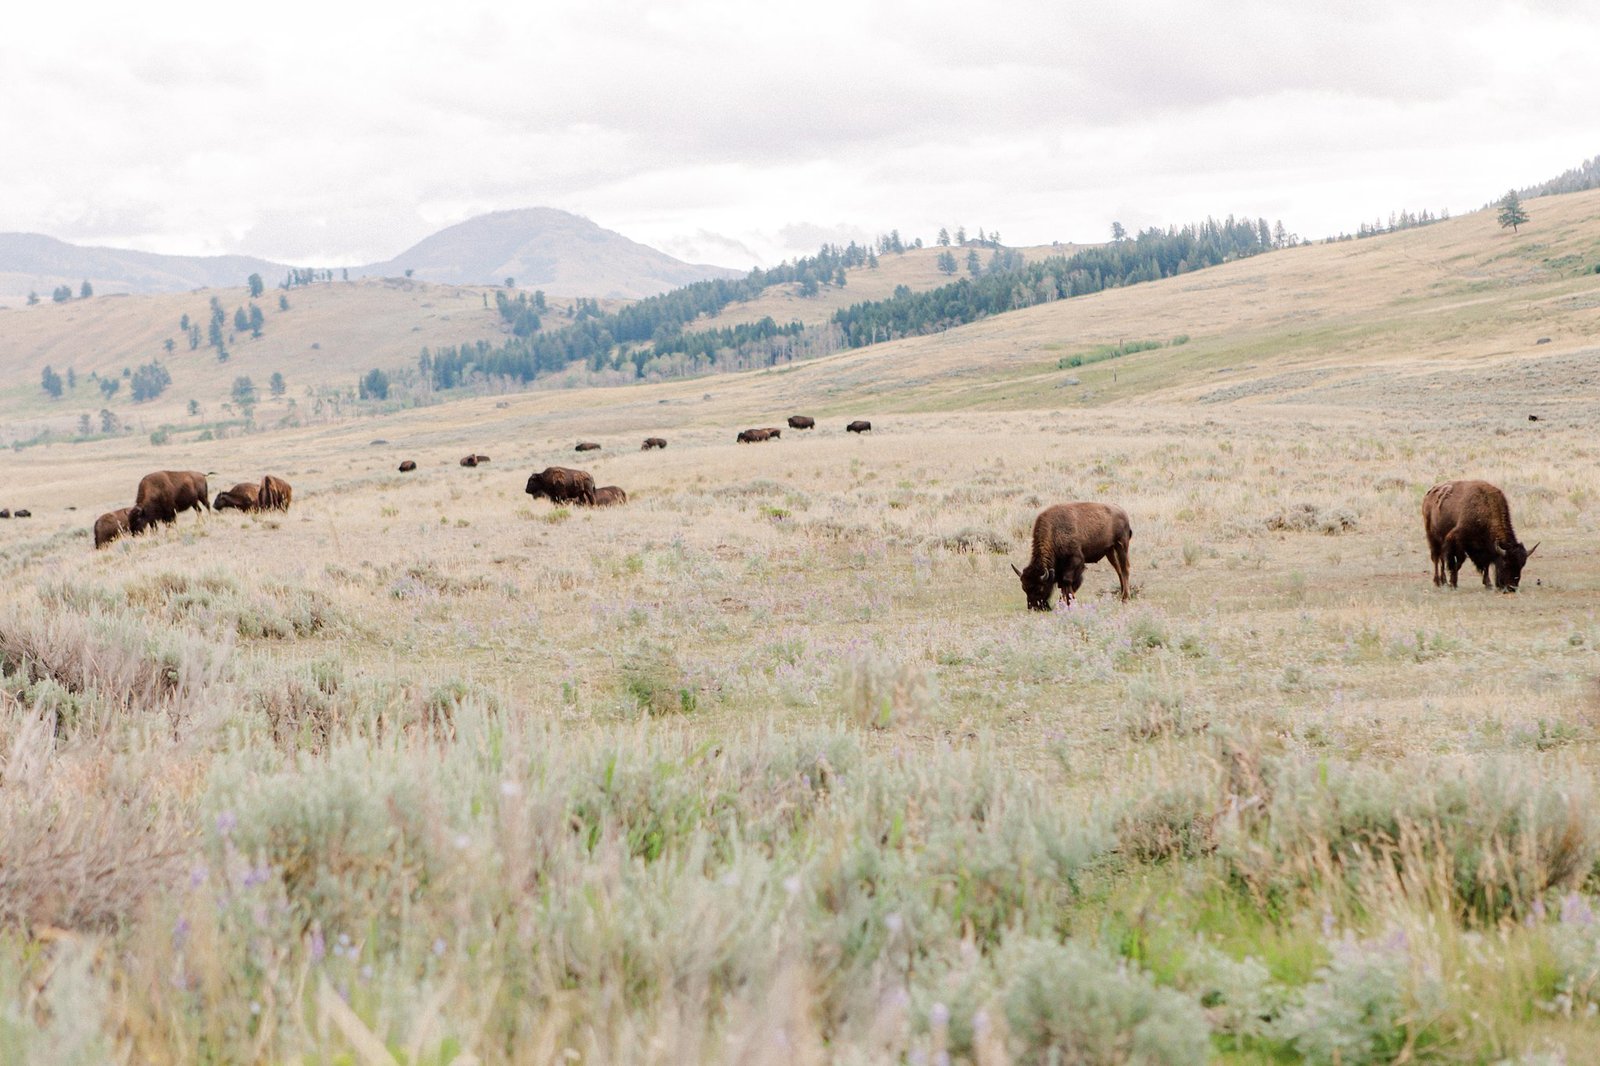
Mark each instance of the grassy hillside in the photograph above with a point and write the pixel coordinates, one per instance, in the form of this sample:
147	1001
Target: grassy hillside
772	765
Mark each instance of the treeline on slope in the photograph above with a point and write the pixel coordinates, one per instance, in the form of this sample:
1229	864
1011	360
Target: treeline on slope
1585	175
651	329
1154	253
652	335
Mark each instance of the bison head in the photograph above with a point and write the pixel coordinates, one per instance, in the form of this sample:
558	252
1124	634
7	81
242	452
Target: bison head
1508	564
535	486
138	521
1037	582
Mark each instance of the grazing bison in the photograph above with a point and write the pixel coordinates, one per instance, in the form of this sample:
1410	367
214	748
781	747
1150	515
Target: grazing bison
1066	538
860	425
469	460
111	525
802	422
653	442
1471	520
242	497
407	466
22	512
274	494
609	495
753	436
162	496
560	484
587	446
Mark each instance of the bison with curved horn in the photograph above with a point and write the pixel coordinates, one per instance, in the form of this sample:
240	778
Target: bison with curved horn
1472	520
1066	538
163	495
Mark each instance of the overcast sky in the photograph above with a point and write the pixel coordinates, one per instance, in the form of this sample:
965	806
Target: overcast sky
741	132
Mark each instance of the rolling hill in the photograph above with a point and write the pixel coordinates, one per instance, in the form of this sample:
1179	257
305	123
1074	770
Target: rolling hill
542	248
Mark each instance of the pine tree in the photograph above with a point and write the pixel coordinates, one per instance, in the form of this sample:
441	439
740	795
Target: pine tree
33	297
276	385
86	290
257	286
50	381
1511	212
943	239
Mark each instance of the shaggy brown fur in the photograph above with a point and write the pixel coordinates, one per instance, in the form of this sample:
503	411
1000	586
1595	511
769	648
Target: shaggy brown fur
560	484
802	422
111	525
242	497
653	442
860	425
1066	538
755	436
166	493
274	494
609	495
1472	520
407	466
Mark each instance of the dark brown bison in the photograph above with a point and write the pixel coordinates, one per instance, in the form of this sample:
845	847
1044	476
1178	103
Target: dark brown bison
242	497
274	494
1471	520
407	466
609	495
109	526
587	446
653	442
469	460
860	425
1066	538
560	484
754	436
802	422
22	512
164	495
5	512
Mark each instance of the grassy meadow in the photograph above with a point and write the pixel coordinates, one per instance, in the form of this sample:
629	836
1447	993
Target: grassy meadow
771	765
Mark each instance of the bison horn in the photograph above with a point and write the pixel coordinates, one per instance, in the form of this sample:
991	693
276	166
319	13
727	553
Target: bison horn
1014	570
1535	546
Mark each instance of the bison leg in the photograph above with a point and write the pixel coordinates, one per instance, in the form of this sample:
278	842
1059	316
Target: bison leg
1119	563
1453	557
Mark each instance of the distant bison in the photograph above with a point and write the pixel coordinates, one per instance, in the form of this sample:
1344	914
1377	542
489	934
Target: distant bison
109	526
860	425
242	497
22	512
474	460
802	422
1066	538
609	495
1471	520
274	494
5	512
560	484
407	466
653	442
587	446
754	436
162	496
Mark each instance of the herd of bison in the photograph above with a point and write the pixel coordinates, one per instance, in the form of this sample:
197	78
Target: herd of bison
1463	520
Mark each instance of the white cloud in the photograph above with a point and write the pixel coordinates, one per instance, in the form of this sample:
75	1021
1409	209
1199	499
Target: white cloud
334	133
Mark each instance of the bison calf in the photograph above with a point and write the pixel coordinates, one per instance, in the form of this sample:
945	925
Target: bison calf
242	497
1472	520
111	525
860	425
1066	538
560	484
653	442
609	495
